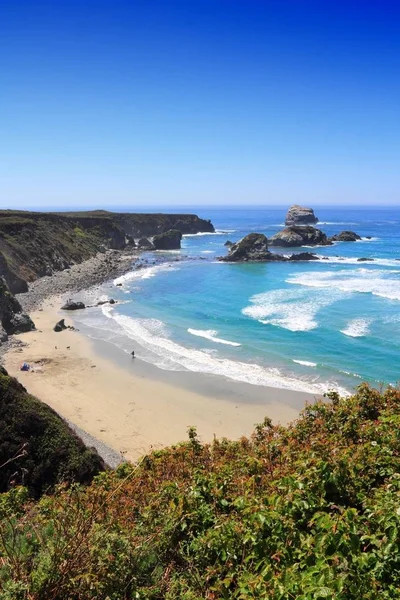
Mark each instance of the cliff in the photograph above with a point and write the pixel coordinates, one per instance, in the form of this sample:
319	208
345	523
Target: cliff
34	244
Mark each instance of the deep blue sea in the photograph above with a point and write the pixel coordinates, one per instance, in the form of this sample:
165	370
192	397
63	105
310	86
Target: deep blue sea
305	326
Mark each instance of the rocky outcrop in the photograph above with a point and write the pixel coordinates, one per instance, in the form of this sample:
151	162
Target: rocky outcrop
33	245
12	319
228	243
253	247
72	305
345	236
300	215
60	326
146	225
170	240
303	256
299	236
145	244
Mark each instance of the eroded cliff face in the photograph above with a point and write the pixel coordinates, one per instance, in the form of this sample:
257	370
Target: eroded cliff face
12	319
36	244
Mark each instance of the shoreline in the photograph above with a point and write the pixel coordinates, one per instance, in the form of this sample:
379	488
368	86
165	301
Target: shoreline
122	404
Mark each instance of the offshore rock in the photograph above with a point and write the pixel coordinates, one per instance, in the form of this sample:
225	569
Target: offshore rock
253	247
303	256
228	243
345	236
170	240
300	215
299	236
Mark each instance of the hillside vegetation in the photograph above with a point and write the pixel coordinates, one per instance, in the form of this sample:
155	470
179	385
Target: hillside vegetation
306	512
37	448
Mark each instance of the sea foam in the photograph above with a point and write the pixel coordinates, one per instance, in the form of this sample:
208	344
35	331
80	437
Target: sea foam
145	273
210	334
383	283
290	309
357	328
169	355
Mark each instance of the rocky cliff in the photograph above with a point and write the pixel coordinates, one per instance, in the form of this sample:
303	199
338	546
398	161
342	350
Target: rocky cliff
12	319
36	244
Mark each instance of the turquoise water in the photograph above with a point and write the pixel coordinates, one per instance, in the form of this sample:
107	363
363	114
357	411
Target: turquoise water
307	326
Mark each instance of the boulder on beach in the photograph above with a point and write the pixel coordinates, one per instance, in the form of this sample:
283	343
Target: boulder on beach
60	326
170	240
345	236
300	215
299	236
71	305
145	244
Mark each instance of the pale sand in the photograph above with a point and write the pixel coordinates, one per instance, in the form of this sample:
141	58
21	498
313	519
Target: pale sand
130	413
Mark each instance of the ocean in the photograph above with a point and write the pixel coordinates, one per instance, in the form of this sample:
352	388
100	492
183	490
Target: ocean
308	326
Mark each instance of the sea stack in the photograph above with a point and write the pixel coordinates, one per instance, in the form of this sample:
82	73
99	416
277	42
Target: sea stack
300	215
299	236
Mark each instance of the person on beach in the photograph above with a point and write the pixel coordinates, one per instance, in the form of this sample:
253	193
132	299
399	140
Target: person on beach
133	354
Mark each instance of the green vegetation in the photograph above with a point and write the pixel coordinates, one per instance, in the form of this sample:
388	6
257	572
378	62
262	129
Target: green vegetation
306	512
37	448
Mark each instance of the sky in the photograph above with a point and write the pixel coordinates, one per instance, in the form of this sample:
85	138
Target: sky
199	102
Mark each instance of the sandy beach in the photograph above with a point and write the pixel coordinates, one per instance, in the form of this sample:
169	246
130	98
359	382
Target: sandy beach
120	407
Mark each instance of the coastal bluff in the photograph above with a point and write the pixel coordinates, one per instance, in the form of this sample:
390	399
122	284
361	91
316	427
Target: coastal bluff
35	244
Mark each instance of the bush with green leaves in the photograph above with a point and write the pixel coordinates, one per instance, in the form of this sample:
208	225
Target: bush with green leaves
306	512
37	447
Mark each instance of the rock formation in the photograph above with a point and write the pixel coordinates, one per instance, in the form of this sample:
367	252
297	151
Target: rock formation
145	244
12	319
300	215
299	236
254	248
345	236
170	240
72	305
35	244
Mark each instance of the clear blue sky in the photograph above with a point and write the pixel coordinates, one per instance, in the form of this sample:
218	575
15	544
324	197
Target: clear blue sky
199	102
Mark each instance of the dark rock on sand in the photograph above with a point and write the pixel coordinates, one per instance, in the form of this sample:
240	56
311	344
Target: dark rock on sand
170	240
299	236
145	244
20	323
71	305
300	215
60	326
345	236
